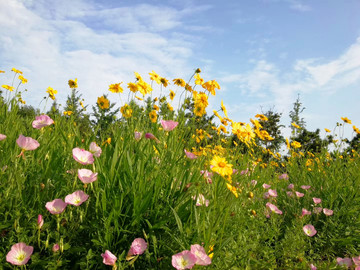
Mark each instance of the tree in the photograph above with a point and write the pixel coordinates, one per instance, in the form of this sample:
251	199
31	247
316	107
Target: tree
273	128
295	117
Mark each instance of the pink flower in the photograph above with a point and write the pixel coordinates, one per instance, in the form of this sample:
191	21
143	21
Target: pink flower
200	200
266	195
55	248
87	176
40	221
309	230
108	258
291	186
305	187
266	186
299	194
344	261
42	121
313	267
151	137
95	149
273	208
137	135
272	192
289	193
253	182
56	206
76	198
183	260
27	143
82	156
2	137
246	172
284	176
356	260
190	155
168	125
19	254
328	212
317	210
201	257
317	200
138	247
305	212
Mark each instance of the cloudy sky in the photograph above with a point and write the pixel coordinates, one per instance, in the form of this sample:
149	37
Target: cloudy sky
263	53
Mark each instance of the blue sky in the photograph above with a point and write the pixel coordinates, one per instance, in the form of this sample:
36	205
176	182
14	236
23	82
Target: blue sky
263	53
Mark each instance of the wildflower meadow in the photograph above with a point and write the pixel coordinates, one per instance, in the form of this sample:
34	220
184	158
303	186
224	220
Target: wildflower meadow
159	181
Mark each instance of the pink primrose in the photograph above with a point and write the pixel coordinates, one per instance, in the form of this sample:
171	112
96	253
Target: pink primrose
19	254
309	230
95	149
87	176
183	260
82	156
108	258
27	143
56	206
168	125
42	121
201	257
76	198
138	247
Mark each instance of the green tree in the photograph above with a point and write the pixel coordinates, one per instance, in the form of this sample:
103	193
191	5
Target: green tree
273	127
295	117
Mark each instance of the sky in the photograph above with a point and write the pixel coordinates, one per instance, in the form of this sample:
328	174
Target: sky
263	53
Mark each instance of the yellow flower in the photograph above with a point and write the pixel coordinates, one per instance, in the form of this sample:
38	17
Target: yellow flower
221	166
126	111
327	130
155	107
153	116
164	82
8	87
52	92
200	99
199	111
137	76
223	108
103	103
108	141
133	87
244	133
22	101
170	107
116	88
73	83
198	70
198	79
68	113
1	71
139	98
346	120
16	70
262	117
356	129
232	189
296	144
22	79
81	104
295	125
189	88
155	77
172	94
179	82
210	86
144	87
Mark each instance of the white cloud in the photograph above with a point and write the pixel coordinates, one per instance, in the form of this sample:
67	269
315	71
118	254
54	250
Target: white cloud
55	43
